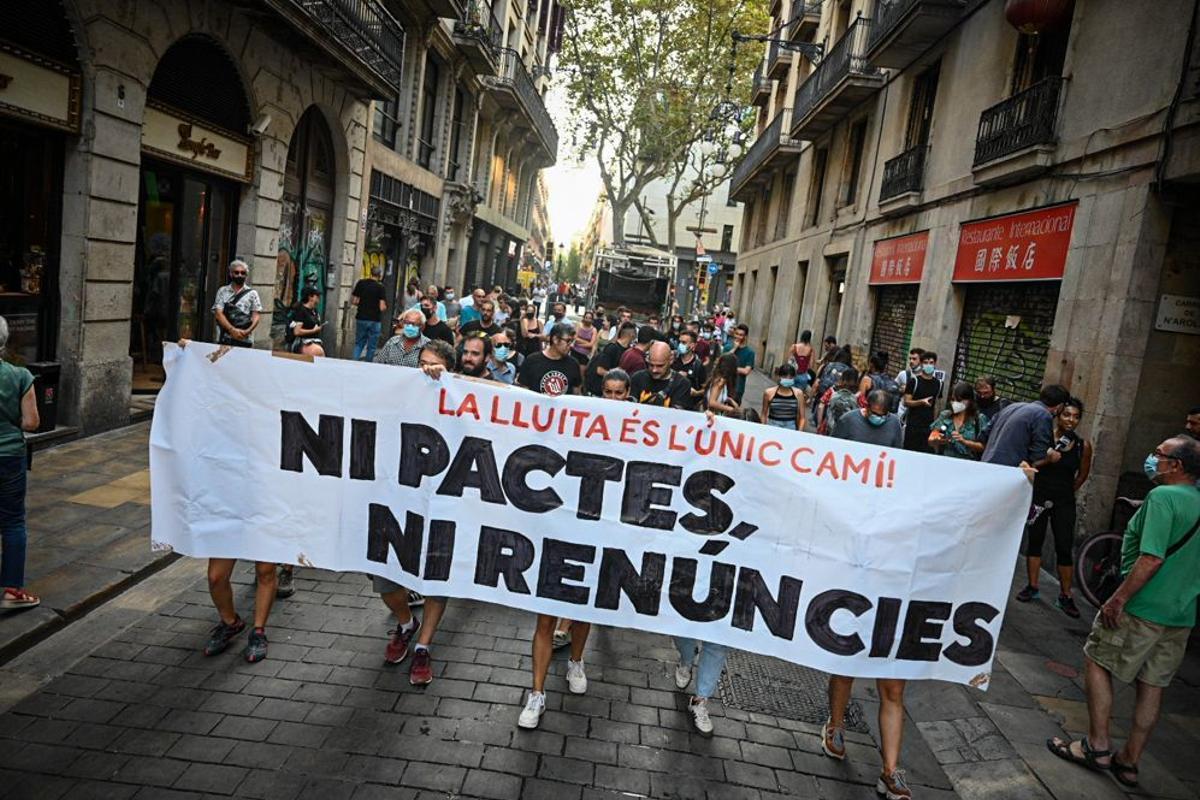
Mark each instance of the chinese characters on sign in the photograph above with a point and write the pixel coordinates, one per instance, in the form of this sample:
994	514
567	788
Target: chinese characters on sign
1029	246
900	259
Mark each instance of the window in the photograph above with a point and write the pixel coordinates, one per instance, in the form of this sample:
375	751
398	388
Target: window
785	205
727	238
1041	56
454	170
387	121
425	141
817	190
764	204
748	226
857	142
920	110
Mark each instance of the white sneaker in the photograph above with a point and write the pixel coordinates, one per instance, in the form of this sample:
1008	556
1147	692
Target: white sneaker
531	715
683	675
700	719
576	679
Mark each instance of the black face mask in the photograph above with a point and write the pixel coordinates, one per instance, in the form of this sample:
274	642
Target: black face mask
237	280
428	312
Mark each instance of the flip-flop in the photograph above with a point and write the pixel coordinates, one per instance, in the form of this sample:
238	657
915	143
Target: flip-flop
1122	771
1062	749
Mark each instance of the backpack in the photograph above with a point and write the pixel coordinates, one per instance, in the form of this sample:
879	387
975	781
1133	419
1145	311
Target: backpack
830	376
881	380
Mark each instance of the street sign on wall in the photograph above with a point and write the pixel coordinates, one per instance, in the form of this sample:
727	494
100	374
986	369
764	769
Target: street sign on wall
900	259
1178	314
1028	246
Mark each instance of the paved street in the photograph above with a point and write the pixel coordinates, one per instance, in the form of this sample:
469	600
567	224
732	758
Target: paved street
120	702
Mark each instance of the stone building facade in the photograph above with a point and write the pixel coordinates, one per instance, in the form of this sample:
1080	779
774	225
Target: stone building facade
1023	205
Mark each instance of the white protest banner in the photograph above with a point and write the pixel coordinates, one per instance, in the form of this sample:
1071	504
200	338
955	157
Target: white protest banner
849	558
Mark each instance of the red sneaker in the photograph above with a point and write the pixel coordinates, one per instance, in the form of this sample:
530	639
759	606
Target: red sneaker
397	646
420	673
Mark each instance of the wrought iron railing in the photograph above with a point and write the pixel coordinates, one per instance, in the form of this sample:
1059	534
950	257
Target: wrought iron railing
479	22
904	173
890	13
801	9
843	59
513	73
366	29
1027	118
766	144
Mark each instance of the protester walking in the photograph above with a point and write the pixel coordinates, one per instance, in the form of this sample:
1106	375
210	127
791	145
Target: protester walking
783	403
368	298
18	415
719	393
875	424
586	340
839	400
801	356
658	384
744	354
404	349
610	357
688	364
958	432
1054	489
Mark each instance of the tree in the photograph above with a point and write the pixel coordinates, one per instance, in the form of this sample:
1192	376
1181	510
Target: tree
642	79
574	260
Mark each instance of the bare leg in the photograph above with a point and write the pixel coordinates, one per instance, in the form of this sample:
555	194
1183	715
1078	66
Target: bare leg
264	592
564	624
1065	574
1033	564
543	648
1145	717
435	607
579	635
219	570
397	603
1097	682
839	698
891	721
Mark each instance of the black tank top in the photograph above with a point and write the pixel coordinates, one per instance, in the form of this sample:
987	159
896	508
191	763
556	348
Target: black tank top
1059	478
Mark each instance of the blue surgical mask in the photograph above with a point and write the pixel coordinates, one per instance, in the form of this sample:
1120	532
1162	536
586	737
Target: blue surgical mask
876	419
928	369
411	331
787	383
1151	466
682	349
502	353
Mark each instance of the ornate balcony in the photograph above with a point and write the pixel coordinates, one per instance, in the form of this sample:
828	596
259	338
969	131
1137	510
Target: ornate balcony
360	35
514	89
778	61
479	34
771	149
904	30
903	180
449	9
804	19
840	82
1016	136
760	88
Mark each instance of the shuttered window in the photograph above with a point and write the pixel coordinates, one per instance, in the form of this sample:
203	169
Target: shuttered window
1006	334
895	310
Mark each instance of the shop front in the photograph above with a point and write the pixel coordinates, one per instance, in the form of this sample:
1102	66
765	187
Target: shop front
897	265
195	155
1011	268
401	228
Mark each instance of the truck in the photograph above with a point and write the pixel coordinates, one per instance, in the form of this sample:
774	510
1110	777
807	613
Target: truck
635	276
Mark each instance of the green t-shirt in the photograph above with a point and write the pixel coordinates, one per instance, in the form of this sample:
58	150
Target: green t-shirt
14	383
1169	598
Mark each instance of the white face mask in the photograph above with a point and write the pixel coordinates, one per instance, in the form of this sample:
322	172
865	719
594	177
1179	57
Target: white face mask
958	406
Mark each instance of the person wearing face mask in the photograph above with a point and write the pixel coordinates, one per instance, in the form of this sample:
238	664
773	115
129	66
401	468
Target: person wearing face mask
704	344
1142	631
689	365
557	315
237	308
783	403
404	348
921	393
434	327
1054	489
959	430
453	307
875	424
501	366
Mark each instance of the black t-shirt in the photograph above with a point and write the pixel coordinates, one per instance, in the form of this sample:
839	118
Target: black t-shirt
696	375
440	331
476	328
369	292
920	388
301	316
673	391
608	358
992	407
552	376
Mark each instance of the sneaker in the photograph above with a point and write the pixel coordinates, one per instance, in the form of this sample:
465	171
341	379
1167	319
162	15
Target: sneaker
576	679
833	741
397	646
701	721
420	672
683	675
531	715
415	599
220	636
1067	604
18	598
284	587
256	647
562	639
893	786
1028	593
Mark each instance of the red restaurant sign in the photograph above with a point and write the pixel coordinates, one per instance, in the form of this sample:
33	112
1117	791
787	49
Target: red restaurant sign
1029	246
899	260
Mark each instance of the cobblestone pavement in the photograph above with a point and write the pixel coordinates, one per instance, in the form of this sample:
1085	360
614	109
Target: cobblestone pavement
121	703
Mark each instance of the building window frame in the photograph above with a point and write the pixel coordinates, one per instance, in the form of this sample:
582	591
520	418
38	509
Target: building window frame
387	121
427	134
856	150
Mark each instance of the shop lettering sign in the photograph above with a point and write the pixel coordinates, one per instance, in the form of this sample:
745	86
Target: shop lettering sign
1028	246
1178	314
172	135
38	89
900	259
201	147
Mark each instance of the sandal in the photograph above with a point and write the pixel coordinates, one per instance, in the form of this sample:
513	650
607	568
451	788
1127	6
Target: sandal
1122	772
18	598
1062	749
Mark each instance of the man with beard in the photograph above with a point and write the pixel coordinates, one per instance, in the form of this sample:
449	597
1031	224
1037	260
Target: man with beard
435	328
658	384
486	325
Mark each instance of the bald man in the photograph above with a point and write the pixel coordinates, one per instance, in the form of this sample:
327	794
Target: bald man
658	384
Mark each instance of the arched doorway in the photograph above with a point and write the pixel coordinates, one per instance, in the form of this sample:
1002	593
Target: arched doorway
195	153
302	256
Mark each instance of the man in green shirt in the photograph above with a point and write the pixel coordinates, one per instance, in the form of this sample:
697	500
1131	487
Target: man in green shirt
1142	631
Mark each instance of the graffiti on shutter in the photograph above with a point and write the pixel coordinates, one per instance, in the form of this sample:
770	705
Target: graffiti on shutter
1006	334
895	309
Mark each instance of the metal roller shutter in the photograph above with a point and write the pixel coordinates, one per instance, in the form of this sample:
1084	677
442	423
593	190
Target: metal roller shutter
895	310
1006	333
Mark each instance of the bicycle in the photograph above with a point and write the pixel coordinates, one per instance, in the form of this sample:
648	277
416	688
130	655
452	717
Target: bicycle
1098	560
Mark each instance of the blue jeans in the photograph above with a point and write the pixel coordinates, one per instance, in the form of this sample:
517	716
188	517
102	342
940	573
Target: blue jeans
12	521
366	336
712	662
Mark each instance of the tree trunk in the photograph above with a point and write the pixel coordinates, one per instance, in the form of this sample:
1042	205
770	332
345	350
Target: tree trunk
619	210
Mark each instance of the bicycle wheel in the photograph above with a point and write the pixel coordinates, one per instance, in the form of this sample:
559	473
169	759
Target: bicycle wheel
1098	566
